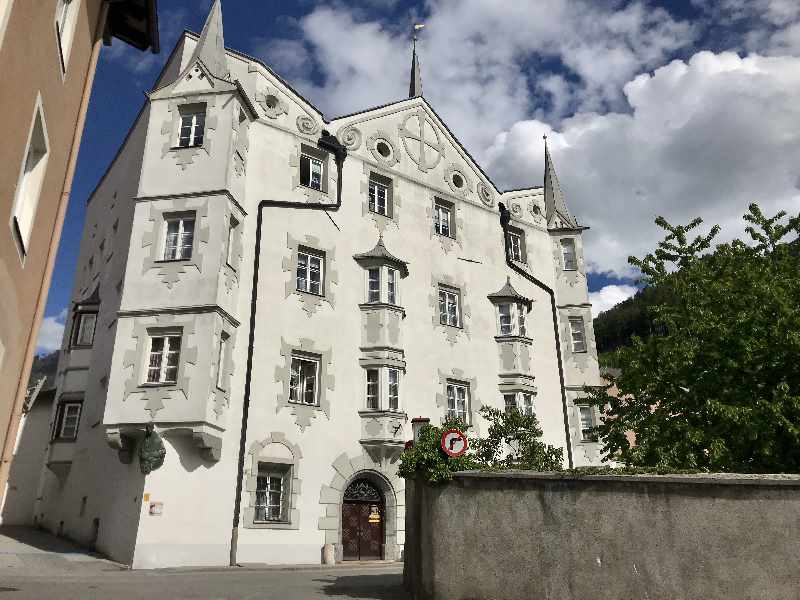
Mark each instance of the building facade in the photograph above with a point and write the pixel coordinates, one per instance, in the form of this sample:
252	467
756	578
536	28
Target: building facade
48	54
276	295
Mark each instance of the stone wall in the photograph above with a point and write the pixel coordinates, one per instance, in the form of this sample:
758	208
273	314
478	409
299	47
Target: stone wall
533	535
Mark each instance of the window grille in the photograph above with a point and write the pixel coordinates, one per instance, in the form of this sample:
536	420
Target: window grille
270	495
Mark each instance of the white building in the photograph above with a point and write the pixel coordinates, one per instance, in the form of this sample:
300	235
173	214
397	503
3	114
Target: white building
279	302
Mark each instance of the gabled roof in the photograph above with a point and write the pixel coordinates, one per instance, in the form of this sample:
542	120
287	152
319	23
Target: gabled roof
507	292
380	253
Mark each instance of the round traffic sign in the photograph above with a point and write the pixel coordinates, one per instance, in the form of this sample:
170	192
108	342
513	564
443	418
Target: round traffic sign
454	443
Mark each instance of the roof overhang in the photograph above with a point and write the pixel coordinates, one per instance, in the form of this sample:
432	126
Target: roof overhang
135	22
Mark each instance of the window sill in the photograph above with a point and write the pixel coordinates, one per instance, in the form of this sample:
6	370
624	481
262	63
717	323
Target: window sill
295	403
158	385
387	305
187	147
61	440
513	338
309	187
449	237
271	525
171	260
580	351
81	347
453	326
375	212
575	269
310	293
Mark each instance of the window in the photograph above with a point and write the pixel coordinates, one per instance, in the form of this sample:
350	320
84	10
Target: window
587	424
372	389
68	415
392	284
510	401
578	334
84	327
374	284
568	252
221	354
457	401
271	492
30	182
505	319
179	238
516	245
449	307
442	218
511	318
311	169
527	404
230	258
379	198
66	18
303	380
394	389
193	125
165	352
310	271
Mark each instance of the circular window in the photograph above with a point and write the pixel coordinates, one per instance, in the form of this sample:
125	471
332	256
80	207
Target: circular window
271	102
536	209
383	149
458	180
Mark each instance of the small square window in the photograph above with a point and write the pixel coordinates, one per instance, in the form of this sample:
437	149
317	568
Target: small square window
578	332
587	424
192	126
312	171
68	416
449	306
443	218
164	358
458	401
178	238
303	380
85	323
568	253
272	493
311	271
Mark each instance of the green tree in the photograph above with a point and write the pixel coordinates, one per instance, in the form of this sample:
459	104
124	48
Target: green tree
718	387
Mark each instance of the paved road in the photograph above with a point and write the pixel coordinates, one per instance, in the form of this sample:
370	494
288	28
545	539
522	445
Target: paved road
365	583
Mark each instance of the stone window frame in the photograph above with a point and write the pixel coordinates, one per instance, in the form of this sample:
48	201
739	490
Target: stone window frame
254	458
307	357
329	175
160	332
303	413
170	129
394	199
451	333
222	395
310	302
154	230
592	439
136	360
458	376
448	243
193	109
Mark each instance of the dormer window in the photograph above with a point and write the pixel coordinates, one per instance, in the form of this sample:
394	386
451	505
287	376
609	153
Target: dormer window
193	124
383	272
511	309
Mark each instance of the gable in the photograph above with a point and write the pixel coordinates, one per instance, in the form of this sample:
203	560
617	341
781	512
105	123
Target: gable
419	145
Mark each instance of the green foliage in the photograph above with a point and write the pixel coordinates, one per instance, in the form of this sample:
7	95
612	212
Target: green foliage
617	326
426	459
512	443
719	387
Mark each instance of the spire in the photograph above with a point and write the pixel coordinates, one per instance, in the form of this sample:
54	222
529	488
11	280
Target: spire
554	201
210	49
415	86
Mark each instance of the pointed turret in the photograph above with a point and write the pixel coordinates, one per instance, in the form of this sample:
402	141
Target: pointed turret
554	202
415	87
210	49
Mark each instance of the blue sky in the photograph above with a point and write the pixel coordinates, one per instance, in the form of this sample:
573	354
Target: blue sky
676	108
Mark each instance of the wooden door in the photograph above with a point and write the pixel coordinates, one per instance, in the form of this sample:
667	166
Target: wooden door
362	522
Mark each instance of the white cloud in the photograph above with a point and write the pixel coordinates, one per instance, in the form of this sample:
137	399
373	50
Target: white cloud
51	333
705	138
609	296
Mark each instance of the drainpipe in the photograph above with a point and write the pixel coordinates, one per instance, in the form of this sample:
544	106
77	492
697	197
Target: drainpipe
330	144
505	218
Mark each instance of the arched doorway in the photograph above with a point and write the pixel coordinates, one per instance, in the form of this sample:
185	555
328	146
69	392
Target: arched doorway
363	516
